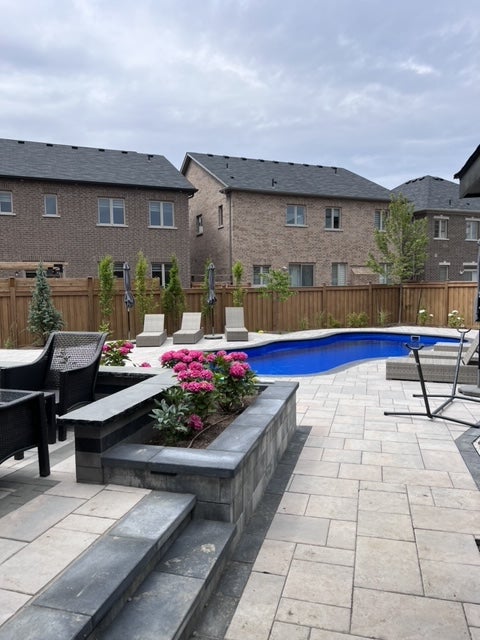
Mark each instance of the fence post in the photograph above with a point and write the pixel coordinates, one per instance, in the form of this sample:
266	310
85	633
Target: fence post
12	315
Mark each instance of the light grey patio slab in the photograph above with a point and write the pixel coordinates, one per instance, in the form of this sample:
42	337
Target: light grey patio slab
456	498
387	565
334	508
317	468
293	503
451	580
275	557
328	555
447	546
314	614
298	529
383	502
342	534
395	616
385	525
319	582
324	486
423	477
444	519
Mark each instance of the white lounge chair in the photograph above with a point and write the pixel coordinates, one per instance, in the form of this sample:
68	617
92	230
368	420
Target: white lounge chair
190	332
153	334
235	324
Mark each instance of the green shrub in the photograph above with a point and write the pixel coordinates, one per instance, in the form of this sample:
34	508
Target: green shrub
357	319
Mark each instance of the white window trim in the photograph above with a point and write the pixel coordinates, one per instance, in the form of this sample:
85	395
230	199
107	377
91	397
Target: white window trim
296	223
440	219
50	215
111	223
161	225
199	224
11	212
333	228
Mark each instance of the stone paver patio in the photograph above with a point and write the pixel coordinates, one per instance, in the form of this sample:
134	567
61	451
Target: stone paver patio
374	537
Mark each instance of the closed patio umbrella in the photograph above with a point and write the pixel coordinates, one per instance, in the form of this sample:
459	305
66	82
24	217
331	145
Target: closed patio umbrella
128	298
212	298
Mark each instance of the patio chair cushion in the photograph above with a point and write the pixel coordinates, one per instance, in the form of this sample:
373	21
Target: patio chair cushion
190	332
235	324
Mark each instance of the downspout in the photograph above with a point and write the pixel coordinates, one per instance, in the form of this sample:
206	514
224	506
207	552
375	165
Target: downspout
228	194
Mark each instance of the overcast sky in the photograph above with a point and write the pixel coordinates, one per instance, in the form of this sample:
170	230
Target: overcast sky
389	89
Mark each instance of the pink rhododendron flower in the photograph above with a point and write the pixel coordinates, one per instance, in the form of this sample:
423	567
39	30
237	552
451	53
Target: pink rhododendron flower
145	365
180	366
238	370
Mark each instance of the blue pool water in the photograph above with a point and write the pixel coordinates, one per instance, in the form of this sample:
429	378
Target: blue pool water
319	355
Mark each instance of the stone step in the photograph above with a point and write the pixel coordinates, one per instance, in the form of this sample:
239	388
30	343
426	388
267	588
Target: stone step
94	588
170	600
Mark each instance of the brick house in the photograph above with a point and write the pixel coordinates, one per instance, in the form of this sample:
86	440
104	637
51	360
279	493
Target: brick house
70	206
317	221
453	227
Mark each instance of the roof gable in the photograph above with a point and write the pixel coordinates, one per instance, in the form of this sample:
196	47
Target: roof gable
270	176
44	161
429	193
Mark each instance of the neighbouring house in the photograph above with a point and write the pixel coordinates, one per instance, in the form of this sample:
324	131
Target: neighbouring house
314	220
453	227
469	176
70	206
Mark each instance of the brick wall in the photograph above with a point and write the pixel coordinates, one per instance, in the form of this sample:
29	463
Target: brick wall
74	237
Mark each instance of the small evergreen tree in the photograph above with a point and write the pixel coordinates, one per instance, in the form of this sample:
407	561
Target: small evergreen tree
107	291
143	297
43	318
239	291
173	301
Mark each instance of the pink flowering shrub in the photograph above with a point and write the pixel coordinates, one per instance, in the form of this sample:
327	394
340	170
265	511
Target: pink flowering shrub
207	382
116	353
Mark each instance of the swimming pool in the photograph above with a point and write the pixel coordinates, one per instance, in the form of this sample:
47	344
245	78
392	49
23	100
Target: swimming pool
319	355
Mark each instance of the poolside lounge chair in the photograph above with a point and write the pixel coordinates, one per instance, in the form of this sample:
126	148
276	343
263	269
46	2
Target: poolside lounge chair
153	334
190	332
235	324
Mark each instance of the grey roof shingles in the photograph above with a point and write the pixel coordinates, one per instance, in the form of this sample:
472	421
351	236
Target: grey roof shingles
64	163
436	194
270	176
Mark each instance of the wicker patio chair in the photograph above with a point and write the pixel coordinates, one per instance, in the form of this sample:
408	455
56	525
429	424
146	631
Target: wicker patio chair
190	332
68	365
235	324
153	334
23	425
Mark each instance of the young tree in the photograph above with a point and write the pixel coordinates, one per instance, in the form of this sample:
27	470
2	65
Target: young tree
107	291
239	291
402	246
277	287
43	318
173	301
143	297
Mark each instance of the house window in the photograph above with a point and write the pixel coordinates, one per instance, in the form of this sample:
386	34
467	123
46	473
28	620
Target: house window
295	215
339	274
199	224
260	273
469	272
380	219
50	205
161	270
443	272
118	269
385	276
301	275
161	214
472	230
6	202
111	211
332	218
220	216
440	229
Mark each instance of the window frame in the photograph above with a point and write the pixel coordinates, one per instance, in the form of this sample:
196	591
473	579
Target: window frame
380	219
440	228
8	199
111	205
333	214
199	224
163	269
444	270
260	270
303	275
335	276
298	211
472	223
220	216
54	198
161	214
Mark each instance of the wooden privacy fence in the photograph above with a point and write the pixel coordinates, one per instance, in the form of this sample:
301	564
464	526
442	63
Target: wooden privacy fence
310	308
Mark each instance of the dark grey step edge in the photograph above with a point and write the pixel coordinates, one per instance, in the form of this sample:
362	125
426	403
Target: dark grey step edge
170	601
99	582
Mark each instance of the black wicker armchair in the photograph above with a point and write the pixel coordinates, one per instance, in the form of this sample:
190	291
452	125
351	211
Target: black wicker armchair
68	365
23	425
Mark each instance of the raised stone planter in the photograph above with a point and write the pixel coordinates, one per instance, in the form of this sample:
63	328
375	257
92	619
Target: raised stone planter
228	478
